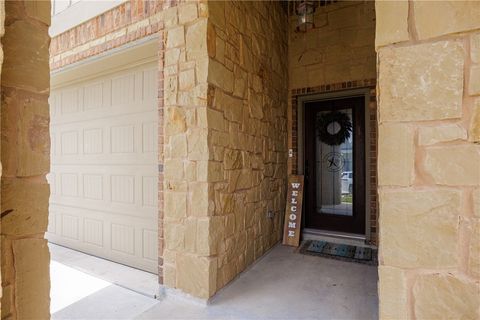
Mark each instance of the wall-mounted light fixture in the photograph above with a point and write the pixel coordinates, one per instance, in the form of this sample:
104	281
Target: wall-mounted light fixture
305	11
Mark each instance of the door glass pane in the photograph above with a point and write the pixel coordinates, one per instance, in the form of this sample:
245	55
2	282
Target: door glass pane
334	164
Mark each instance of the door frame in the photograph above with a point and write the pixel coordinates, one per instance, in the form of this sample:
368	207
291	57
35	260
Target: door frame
301	101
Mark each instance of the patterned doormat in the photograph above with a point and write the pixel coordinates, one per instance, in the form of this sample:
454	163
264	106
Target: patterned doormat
339	251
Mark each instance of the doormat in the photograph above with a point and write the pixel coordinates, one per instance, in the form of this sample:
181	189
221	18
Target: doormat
339	251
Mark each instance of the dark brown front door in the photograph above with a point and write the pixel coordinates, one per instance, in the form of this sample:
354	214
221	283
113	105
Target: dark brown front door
335	165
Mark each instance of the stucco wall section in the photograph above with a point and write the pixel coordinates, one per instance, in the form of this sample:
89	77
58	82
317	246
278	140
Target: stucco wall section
247	122
429	222
25	142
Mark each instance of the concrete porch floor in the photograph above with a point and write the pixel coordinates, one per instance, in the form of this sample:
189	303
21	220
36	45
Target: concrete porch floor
282	285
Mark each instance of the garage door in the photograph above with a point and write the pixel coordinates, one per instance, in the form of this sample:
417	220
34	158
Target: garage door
104	166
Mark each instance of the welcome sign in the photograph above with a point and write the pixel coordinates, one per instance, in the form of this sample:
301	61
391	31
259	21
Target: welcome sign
293	212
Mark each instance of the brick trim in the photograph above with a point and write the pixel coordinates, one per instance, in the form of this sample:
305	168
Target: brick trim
130	21
337	87
161	143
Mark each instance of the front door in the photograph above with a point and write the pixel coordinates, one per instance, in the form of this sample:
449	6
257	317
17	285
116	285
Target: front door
335	165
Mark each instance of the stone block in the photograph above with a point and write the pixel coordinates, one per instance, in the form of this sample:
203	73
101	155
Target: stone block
178	146
216	13
32	280
396	155
24	206
8	307
212	43
172	56
201	69
202	171
39	10
220	76
391	23
2	21
215	120
26	64
197	40
474	131
475	47
175	121
196	275
418	228
191	171
26	122
190	235
175	205
198	145
209	234
453	165
174	236
187	12
170	16
450	17
175	37
199	205
173	169
215	171
229	225
421	82
432	135
255	104
240	84
474	82
169	276
232	159
438	296
232	107
476	202
7	261
392	290
186	80
170	89
474	249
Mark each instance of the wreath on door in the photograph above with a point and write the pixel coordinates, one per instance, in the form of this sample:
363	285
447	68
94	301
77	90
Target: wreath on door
325	122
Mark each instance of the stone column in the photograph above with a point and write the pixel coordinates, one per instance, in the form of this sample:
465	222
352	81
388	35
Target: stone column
225	139
188	222
25	143
429	172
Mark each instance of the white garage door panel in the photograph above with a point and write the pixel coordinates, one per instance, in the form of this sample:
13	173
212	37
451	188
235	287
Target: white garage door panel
103	178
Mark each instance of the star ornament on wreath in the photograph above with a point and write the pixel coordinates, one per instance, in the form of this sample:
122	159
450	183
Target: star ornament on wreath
334	128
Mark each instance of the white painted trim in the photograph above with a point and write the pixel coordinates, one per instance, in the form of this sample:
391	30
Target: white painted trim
129	55
78	13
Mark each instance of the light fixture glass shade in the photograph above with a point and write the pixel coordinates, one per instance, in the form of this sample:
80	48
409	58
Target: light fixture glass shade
305	11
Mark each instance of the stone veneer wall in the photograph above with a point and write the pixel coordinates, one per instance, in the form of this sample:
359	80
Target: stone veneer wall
225	140
339	54
2	32
247	121
25	143
429	164
340	48
188	222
